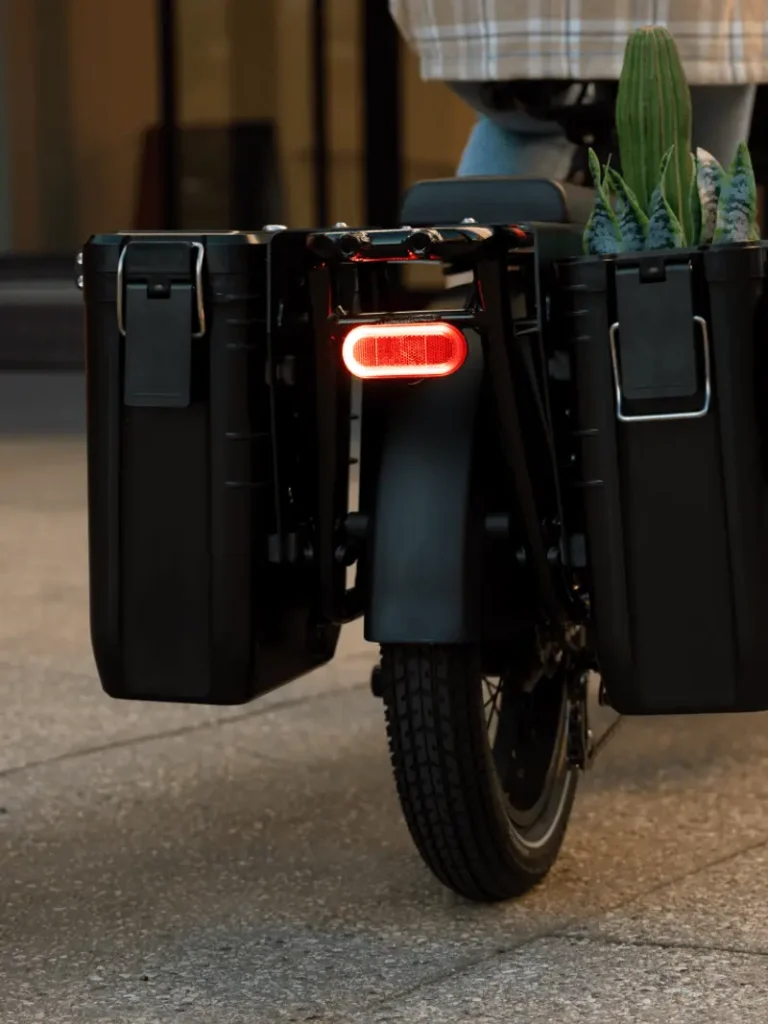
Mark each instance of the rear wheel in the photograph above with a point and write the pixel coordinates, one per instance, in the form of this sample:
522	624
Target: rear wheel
481	767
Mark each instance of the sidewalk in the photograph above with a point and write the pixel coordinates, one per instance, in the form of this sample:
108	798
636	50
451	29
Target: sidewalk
251	865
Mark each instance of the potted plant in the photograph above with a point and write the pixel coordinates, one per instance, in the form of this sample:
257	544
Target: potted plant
668	330
666	196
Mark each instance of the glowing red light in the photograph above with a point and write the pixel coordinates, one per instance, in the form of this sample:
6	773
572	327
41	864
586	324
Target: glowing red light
404	350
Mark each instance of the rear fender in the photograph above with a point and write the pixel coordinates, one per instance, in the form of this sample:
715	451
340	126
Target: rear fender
425	550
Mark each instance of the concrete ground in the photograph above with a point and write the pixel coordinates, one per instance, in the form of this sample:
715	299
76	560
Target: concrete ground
252	865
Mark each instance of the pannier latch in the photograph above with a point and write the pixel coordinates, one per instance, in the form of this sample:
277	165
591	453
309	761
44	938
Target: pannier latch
160	311
654	353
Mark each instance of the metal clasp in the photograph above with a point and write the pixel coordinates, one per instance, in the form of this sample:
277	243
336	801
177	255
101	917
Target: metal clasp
695	414
198	286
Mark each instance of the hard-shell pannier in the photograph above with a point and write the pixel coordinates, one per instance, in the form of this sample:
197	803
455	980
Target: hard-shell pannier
202	485
670	381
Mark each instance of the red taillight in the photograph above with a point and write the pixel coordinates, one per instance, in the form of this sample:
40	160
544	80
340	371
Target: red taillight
404	350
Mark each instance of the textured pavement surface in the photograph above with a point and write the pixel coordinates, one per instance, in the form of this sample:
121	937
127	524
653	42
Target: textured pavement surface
167	863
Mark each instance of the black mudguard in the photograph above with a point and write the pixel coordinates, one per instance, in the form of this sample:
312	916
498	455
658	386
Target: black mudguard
425	551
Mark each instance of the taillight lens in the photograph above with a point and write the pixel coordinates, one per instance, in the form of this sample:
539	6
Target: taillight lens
404	350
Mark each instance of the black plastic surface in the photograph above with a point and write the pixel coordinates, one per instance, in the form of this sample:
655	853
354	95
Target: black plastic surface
158	346
676	508
656	335
496	200
424	567
189	601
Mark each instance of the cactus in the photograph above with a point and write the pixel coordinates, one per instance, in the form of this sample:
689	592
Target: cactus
653	114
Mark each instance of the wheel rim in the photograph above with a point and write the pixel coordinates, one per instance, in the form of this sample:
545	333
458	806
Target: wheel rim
527	730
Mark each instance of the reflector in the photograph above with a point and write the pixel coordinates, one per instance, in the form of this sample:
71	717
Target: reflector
404	350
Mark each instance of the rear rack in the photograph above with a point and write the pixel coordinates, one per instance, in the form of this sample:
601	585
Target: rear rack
342	297
444	244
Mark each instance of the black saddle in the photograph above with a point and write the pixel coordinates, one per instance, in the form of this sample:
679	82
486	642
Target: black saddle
496	200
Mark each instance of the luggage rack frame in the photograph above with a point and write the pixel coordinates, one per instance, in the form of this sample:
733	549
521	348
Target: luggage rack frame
349	287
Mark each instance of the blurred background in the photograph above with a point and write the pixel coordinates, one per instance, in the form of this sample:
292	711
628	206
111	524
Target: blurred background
167	114
190	114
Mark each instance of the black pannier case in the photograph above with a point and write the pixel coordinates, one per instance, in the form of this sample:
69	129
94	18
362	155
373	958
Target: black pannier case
671	387
201	465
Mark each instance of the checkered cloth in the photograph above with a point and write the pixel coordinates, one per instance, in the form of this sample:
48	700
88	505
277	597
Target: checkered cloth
721	42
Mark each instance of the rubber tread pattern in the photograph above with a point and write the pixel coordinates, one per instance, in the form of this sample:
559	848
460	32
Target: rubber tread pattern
445	778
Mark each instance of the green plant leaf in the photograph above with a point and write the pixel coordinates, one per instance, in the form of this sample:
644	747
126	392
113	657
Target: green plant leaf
664	228
602	235
633	223
709	182
595	169
737	206
694	202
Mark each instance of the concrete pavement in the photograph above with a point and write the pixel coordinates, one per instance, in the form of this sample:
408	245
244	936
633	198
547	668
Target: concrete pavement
249	865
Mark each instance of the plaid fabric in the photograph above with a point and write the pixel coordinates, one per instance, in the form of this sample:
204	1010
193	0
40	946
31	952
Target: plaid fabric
721	42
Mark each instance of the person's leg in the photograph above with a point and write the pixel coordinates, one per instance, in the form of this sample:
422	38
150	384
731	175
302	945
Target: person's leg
722	117
511	142
493	148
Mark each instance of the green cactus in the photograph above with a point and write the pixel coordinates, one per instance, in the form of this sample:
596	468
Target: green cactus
653	114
